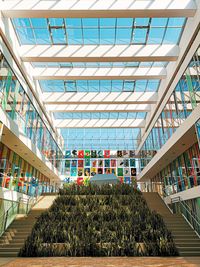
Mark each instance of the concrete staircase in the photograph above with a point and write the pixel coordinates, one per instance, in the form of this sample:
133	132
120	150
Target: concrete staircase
185	238
16	234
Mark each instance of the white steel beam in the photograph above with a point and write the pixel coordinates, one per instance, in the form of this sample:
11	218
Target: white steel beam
99	73
98	53
98	108
100	98
100	123
98	8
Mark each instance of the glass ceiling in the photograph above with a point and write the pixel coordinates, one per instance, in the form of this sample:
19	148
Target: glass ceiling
99	85
101	138
99	115
107	31
99	31
98	64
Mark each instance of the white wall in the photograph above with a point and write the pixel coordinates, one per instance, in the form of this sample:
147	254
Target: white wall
11	195
185	195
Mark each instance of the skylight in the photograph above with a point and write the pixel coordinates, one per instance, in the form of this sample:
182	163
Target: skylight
99	85
106	31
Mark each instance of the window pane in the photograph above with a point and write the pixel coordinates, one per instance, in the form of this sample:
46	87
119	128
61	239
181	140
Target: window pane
123	36
58	36
26	35
107	22
139	36
156	35
141	22
74	36
172	35
39	23
42	36
91	36
73	23
107	36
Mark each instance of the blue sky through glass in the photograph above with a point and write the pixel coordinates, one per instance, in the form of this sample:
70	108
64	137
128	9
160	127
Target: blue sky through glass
99	85
99	115
107	31
101	138
98	64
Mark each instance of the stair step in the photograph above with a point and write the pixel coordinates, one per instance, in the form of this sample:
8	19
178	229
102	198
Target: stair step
186	239
8	254
189	253
14	244
188	244
10	249
19	230
17	241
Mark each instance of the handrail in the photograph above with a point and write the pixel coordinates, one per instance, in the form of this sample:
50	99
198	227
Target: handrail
193	219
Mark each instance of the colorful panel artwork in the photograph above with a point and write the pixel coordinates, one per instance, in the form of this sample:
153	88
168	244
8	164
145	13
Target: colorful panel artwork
93	153
100	153
73	171
67	163
120	171
94	163
80	180
93	171
68	154
113	163
87	172
126	163
106	153
80	163
132	162
133	171
127	180
74	153
100	170
87	154
100	163
126	171
88	163
80	171
107	163
119	154
81	154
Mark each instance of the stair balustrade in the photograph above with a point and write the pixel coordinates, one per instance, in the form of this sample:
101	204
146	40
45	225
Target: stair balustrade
180	206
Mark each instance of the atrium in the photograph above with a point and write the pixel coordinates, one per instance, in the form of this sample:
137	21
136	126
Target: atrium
92	93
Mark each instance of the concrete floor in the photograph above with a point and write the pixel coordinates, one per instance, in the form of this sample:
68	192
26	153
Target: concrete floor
101	262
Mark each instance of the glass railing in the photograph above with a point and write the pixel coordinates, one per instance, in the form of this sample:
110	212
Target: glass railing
22	206
182	184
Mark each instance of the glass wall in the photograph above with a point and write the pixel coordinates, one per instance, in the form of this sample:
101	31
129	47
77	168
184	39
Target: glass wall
18	175
16	103
182	173
181	103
